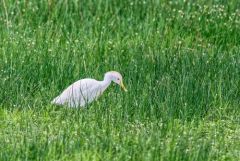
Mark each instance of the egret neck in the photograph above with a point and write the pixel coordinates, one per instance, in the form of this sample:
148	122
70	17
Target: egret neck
106	82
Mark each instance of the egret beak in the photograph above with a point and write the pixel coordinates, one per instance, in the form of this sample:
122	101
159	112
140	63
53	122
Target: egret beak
123	87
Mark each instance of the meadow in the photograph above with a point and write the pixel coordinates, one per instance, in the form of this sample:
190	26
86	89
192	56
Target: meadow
180	61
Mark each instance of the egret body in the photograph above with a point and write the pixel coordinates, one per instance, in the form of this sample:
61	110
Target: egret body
86	90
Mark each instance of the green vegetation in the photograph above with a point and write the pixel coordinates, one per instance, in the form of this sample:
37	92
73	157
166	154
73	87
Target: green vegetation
180	61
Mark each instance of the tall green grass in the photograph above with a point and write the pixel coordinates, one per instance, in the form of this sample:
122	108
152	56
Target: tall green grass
180	61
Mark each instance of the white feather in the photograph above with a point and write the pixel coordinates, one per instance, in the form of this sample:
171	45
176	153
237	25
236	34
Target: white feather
86	90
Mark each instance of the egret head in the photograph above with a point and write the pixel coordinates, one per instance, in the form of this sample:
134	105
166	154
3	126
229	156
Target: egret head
116	78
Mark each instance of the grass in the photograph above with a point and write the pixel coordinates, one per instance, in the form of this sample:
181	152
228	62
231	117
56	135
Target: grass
179	59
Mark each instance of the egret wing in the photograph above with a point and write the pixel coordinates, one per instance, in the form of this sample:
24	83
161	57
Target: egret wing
79	93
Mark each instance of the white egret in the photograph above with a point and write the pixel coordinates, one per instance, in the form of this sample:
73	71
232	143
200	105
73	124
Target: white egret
87	90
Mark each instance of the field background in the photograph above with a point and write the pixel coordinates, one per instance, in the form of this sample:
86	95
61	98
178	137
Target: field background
180	61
